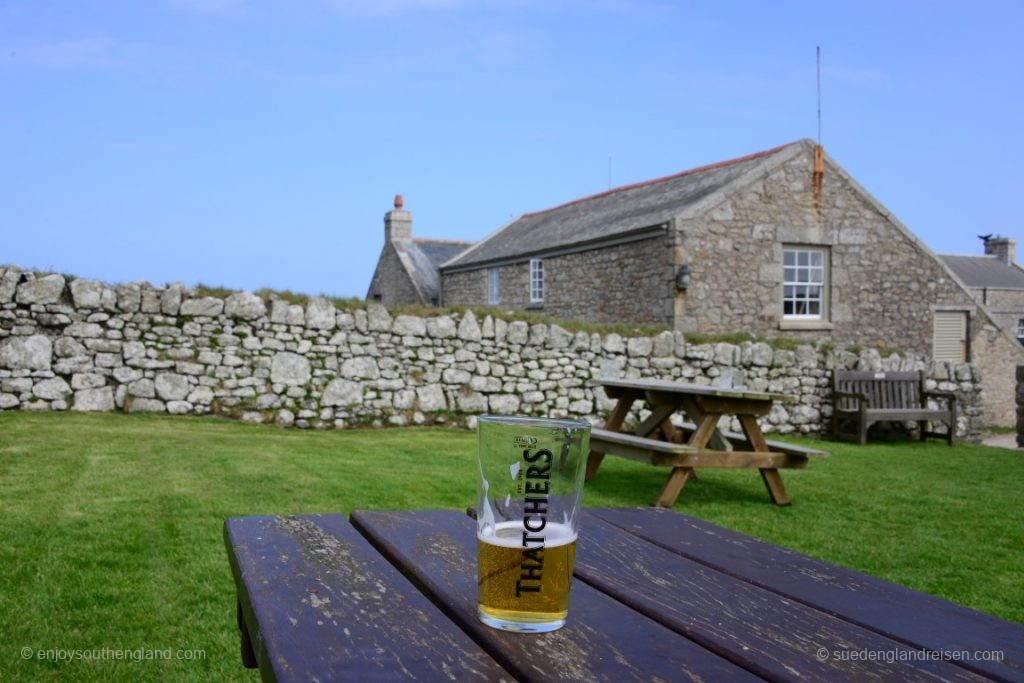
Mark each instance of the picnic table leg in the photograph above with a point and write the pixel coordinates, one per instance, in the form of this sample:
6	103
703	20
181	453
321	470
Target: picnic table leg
770	476
248	654
615	421
673	486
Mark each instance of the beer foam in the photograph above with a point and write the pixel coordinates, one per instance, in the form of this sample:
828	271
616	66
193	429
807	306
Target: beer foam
510	534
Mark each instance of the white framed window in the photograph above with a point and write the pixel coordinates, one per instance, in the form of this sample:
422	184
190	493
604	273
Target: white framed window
536	281
1020	330
493	287
803	283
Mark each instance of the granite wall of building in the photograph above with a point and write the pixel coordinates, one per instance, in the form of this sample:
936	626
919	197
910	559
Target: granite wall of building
87	346
625	283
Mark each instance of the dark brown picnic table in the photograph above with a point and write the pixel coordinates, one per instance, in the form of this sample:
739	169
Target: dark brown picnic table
657	595
699	442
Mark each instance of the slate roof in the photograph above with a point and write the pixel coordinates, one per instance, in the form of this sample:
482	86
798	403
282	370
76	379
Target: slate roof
425	255
985	271
605	216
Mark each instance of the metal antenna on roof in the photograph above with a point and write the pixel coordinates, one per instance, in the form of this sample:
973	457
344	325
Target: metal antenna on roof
818	63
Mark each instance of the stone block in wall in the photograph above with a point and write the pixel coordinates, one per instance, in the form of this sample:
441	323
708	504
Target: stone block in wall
663	344
377	318
208	306
431	398
469	329
142	388
518	332
320	314
86	293
441	327
245	306
53	389
503	404
170	300
613	343
44	290
100	399
408	325
171	386
129	297
471	402
639	347
361	367
279	311
290	369
26	353
146	405
343	393
87	381
9	284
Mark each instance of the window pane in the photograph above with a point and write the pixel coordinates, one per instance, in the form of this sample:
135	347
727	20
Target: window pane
802	258
787	308
789	258
817	275
803	275
817	258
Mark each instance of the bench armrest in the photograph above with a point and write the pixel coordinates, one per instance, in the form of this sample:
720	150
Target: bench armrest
861	398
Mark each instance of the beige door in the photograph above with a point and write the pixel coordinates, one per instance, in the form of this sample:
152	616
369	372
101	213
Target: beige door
949	336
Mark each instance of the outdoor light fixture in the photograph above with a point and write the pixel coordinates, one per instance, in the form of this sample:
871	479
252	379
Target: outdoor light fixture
683	278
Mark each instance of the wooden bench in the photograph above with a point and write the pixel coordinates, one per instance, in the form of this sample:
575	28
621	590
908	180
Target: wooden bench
860	399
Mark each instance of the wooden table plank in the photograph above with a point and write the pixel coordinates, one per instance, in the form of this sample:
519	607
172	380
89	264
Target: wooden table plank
768	634
886	608
602	641
694	389
322	604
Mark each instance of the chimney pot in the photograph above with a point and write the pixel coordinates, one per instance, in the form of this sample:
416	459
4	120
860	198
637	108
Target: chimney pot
398	201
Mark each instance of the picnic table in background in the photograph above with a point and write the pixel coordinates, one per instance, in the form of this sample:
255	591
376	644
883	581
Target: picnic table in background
391	595
699	442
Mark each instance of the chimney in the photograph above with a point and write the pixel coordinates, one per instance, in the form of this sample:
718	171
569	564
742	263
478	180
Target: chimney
1003	248
397	223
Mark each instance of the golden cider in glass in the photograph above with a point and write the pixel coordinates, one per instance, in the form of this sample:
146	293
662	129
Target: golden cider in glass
525	584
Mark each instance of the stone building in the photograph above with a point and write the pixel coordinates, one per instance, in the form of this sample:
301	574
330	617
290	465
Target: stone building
407	270
995	280
781	242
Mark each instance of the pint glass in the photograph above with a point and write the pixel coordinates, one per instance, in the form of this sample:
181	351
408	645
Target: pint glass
528	506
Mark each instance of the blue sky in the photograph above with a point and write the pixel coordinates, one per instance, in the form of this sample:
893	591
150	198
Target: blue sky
251	143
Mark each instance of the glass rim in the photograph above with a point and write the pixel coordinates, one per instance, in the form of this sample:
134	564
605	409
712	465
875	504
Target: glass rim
562	423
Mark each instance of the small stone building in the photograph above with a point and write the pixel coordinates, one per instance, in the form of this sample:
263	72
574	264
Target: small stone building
407	270
781	242
995	280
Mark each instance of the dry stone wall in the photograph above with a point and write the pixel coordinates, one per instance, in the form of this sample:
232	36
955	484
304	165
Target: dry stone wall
87	346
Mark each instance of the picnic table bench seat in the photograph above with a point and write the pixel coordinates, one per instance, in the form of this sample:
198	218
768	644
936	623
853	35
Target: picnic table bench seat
861	399
669	453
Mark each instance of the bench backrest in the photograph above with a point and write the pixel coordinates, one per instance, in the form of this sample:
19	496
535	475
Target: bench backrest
883	389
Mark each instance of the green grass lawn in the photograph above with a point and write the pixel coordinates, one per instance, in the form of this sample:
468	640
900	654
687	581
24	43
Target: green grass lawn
111	524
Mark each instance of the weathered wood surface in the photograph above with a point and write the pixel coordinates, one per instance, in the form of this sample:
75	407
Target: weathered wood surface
657	596
322	605
768	634
891	610
695	389
602	641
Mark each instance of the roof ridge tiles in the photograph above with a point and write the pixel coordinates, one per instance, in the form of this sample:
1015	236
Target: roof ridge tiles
422	240
673	176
